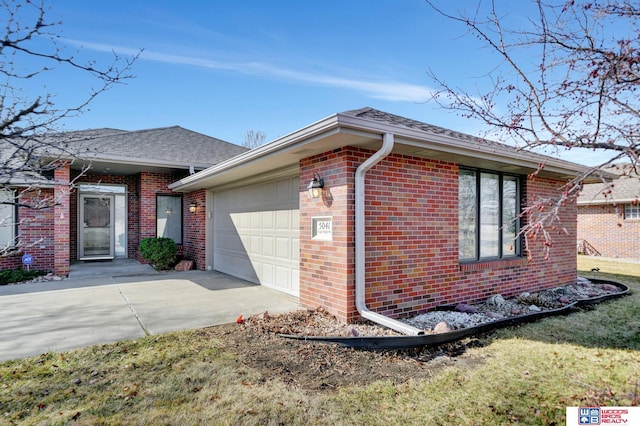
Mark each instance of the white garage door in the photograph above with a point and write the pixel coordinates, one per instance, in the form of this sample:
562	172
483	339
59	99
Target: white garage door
256	234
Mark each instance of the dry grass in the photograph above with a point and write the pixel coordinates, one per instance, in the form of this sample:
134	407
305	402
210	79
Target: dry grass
520	375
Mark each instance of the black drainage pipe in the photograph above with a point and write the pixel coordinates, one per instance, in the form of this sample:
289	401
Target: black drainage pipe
405	342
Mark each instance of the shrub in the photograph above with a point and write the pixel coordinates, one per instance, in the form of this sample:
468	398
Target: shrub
160	252
9	276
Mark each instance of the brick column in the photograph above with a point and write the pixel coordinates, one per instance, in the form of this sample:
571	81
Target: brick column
61	222
194	228
327	267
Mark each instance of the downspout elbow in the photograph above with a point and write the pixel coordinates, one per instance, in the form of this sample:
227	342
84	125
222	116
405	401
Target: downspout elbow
363	310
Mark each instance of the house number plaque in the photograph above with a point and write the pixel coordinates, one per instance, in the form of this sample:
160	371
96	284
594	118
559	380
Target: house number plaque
321	229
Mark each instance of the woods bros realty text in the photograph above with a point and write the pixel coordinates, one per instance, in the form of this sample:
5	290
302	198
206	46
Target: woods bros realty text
603	416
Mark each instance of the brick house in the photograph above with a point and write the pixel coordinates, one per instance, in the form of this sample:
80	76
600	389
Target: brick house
405	217
121	197
409	216
609	222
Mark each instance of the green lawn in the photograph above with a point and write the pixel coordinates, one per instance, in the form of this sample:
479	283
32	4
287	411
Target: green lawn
520	375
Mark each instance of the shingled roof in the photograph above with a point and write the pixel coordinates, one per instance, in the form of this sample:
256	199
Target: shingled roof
364	128
624	189
397	120
166	145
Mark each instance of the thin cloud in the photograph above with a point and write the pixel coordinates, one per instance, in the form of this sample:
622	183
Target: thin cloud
390	91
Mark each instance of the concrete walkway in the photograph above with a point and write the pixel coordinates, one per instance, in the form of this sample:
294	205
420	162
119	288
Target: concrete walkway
126	300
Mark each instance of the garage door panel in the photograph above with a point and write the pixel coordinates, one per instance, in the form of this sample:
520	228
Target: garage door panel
224	221
295	221
268	244
283	248
282	275
295	250
246	243
229	243
237	267
257	228
256	244
268	275
283	220
267	220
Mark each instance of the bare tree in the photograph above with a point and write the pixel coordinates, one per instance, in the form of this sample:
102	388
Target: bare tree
254	139
569	79
32	143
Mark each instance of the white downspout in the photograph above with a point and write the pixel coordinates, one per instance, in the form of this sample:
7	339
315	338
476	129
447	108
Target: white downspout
387	146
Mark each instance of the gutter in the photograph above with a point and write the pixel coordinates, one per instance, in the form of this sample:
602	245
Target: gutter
361	306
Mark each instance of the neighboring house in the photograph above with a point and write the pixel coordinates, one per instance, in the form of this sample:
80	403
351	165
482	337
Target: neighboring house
609	216
121	197
409	216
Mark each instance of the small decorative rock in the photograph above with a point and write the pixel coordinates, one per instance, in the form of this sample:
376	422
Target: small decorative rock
583	281
496	300
525	294
441	360
442	327
494	315
466	308
610	287
534	308
564	300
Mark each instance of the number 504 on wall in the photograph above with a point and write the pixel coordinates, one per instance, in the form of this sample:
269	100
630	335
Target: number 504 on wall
321	228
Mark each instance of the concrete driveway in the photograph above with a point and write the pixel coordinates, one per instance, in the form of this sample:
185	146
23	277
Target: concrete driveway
95	307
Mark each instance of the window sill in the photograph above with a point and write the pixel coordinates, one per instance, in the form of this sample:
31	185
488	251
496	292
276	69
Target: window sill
493	264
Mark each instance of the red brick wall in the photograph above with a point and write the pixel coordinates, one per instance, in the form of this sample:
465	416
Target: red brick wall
35	232
141	206
61	219
193	238
150	185
326	267
37	227
606	229
412	260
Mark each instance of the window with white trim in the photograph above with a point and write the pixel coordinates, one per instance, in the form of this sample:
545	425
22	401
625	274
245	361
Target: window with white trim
632	211
488	215
7	218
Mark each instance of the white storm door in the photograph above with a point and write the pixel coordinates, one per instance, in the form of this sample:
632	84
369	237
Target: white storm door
96	226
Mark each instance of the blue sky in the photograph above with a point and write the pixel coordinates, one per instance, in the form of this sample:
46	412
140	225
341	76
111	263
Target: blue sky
223	68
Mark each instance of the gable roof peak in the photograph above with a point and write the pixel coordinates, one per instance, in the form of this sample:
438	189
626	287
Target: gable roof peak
383	117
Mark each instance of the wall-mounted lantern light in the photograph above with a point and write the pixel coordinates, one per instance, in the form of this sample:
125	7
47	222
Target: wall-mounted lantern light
315	186
168	210
193	207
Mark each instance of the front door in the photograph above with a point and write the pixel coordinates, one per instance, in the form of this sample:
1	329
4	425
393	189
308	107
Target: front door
96	226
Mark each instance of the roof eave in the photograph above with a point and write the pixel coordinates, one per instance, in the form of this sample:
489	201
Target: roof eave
143	162
450	144
418	138
607	202
284	143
